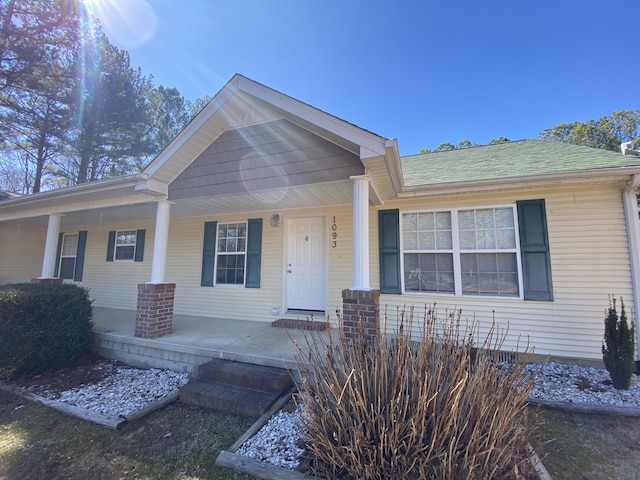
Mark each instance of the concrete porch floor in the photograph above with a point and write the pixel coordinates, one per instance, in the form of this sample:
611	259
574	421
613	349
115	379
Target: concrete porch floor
194	341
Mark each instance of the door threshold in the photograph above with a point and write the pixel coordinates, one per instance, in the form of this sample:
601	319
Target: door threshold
299	311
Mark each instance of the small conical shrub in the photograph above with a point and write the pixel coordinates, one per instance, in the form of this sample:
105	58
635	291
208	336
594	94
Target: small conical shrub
618	346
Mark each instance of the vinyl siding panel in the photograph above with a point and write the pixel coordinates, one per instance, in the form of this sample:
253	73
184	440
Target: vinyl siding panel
589	261
276	154
340	258
236	302
21	252
115	284
184	265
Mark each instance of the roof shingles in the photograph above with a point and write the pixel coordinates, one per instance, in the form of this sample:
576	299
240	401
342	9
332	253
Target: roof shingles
505	160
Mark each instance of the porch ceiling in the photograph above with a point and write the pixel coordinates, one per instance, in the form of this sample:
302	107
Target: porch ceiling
317	195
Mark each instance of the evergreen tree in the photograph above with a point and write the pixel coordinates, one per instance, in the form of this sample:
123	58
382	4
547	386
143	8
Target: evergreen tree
618	346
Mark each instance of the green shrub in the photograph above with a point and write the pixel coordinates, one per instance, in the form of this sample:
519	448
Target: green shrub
43	327
618	347
441	407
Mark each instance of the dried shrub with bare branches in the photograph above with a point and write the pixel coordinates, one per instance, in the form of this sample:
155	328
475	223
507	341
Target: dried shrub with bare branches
439	406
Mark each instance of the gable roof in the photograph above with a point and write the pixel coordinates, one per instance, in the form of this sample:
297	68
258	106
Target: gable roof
243	101
509	160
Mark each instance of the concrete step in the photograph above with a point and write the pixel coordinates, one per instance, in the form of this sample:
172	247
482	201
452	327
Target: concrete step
223	396
236	386
255	377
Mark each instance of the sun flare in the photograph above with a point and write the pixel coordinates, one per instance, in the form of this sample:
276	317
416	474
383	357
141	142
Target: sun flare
127	23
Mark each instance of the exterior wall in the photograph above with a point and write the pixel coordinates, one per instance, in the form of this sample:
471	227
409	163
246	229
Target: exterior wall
588	247
115	284
275	154
589	262
184	263
21	252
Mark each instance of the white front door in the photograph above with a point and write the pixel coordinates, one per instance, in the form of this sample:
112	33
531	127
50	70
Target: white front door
306	264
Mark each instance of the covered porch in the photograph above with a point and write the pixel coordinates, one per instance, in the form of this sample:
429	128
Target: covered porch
195	340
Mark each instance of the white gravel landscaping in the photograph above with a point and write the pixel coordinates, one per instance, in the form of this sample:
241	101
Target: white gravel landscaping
123	391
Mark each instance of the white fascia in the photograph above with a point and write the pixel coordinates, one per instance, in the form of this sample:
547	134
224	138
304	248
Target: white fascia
192	127
371	145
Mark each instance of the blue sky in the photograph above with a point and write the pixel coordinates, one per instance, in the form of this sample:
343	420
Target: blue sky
424	72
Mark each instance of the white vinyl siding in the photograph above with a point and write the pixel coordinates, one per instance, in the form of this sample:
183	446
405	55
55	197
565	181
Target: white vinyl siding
115	284
589	261
21	251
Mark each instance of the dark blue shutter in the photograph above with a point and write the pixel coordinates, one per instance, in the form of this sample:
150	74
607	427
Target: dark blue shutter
139	254
254	252
79	268
534	248
111	245
56	271
389	244
208	253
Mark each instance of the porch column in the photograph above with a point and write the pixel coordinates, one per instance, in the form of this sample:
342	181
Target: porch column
50	247
630	201
361	304
360	232
154	311
160	240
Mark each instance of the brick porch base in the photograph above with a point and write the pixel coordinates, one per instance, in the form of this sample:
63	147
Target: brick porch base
361	314
154	313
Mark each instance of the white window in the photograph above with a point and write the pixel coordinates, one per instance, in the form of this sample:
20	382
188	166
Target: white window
231	253
461	252
125	246
68	255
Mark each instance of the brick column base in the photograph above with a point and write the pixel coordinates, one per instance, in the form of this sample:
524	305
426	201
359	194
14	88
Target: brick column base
154	313
47	280
361	314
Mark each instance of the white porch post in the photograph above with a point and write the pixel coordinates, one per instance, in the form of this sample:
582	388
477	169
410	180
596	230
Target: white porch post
49	260
160	240
633	234
360	232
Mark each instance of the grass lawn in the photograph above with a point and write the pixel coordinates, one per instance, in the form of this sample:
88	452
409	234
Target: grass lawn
589	447
177	442
182	442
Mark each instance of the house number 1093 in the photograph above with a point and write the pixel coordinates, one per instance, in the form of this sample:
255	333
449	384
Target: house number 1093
334	233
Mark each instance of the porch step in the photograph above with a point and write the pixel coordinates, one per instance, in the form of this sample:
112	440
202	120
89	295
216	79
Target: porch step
237	387
300	324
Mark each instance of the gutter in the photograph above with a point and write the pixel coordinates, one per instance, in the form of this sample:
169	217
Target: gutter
129	189
632	220
76	190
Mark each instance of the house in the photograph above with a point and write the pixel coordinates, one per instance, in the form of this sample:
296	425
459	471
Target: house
265	207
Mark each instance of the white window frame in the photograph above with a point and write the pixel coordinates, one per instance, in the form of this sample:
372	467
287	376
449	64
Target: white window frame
457	251
63	256
220	254
132	244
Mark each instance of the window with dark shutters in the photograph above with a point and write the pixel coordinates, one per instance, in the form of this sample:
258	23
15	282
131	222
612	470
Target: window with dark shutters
486	250
389	244
534	249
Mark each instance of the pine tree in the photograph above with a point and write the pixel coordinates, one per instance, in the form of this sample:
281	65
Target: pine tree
618	346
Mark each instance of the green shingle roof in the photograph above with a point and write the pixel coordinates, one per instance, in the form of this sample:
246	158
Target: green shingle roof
505	160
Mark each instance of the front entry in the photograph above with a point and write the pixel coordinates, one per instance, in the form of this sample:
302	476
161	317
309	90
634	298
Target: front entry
306	264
